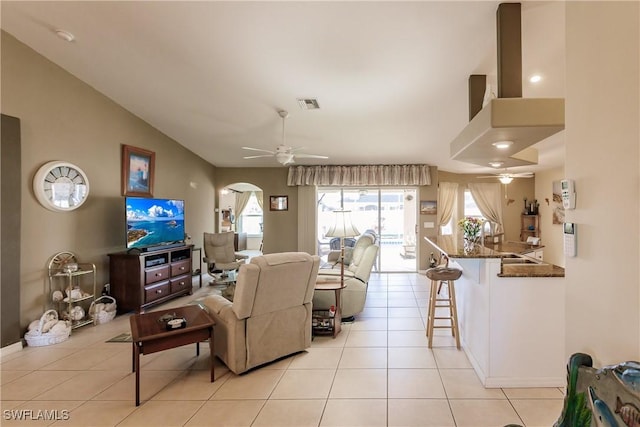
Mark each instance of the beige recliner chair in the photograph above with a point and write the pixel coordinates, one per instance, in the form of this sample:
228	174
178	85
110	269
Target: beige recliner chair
220	255
270	316
359	262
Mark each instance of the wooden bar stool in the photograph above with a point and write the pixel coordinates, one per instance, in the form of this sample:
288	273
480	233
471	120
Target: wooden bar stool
437	276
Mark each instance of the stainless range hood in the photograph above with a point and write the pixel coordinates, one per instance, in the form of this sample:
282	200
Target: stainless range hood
522	121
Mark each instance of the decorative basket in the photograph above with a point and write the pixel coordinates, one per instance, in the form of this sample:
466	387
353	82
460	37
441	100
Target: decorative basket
35	338
105	315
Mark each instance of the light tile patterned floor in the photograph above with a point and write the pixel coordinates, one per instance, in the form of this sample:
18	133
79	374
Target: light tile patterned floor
377	372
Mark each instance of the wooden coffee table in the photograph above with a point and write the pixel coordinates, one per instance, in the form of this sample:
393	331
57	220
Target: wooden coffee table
150	334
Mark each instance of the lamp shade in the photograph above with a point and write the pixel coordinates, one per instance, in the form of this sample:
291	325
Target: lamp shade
342	227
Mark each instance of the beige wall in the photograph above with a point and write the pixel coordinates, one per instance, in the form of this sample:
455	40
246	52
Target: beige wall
603	157
552	237
65	119
516	191
280	229
427	192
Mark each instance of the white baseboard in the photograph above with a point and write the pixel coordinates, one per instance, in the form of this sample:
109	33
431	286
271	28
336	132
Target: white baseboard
474	364
12	348
512	382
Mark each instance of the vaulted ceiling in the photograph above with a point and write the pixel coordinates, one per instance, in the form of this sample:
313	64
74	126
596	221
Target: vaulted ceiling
390	77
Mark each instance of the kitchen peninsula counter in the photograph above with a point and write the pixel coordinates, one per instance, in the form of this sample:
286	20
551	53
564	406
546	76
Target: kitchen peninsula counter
453	248
512	321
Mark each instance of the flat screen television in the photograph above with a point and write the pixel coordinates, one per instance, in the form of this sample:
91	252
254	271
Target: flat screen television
153	223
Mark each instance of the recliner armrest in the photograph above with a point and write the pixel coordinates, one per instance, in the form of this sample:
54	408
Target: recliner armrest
333	256
216	303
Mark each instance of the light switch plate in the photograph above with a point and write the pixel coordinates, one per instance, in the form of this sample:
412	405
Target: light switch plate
429	225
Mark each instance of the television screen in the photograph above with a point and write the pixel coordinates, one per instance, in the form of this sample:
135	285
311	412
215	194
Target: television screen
152	222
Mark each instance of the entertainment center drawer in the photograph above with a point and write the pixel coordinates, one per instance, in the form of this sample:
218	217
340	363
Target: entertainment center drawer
152	275
180	284
180	267
152	293
141	279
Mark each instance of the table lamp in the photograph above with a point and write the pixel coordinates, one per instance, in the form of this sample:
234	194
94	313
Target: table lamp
342	228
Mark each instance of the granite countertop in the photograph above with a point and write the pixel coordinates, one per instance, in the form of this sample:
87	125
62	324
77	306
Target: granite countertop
543	270
454	248
513	247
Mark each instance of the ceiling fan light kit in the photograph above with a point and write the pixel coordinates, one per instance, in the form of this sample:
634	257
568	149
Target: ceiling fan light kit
284	154
506	177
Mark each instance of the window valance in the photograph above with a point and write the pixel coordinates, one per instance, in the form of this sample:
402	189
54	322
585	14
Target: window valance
327	175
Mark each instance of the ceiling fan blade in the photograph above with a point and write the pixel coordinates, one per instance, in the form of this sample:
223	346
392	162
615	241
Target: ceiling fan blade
258	149
522	175
310	156
294	149
257	157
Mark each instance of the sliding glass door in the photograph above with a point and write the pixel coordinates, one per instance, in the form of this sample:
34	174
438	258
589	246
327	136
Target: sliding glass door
390	212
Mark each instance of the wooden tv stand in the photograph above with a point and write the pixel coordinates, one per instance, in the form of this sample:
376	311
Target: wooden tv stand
139	280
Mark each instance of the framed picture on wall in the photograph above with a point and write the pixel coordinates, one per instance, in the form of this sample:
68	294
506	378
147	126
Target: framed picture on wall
279	203
428	207
138	167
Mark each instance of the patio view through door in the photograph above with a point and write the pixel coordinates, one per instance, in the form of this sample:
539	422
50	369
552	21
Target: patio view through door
390	212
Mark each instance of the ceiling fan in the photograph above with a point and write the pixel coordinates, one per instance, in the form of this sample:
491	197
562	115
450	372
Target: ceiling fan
506	178
284	154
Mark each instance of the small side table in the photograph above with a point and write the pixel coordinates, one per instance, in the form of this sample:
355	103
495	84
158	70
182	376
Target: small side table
330	283
149	334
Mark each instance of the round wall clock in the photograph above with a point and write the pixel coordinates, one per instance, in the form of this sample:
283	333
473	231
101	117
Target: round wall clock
60	186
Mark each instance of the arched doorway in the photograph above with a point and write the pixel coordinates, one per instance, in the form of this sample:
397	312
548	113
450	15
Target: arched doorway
241	211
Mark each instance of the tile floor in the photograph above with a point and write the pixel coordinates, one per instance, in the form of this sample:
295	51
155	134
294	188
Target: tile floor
377	372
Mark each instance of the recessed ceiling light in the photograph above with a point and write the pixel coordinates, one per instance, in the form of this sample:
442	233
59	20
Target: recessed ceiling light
65	35
535	78
496	164
502	145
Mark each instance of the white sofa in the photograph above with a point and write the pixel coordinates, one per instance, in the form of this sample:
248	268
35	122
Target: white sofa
359	262
270	316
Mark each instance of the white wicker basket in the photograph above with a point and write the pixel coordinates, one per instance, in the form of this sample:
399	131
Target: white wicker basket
103	316
35	338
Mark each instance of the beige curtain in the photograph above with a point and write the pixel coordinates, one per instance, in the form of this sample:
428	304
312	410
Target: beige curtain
489	201
447	198
359	175
259	198
241	202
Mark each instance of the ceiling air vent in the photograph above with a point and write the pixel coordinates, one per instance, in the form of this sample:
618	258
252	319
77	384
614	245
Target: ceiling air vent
308	103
